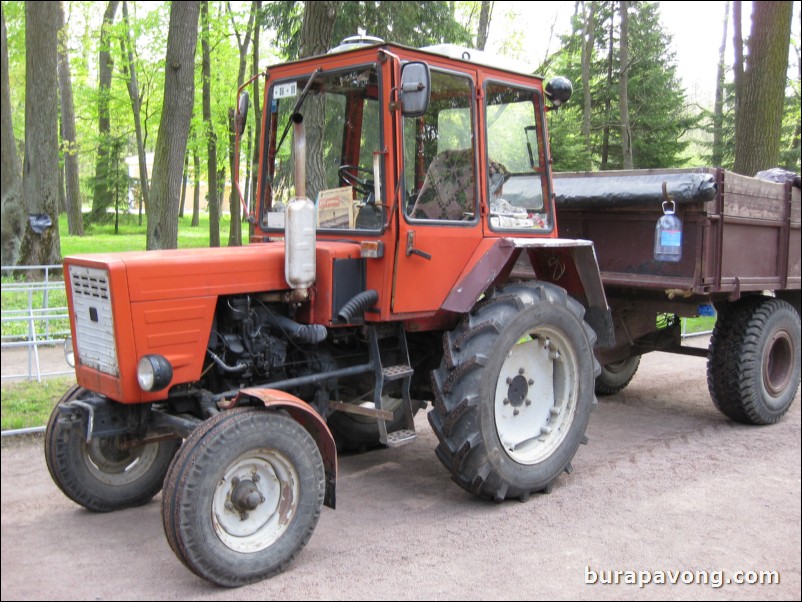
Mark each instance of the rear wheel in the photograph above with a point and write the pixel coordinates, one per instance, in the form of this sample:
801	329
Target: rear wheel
107	473
753	366
616	376
243	496
514	391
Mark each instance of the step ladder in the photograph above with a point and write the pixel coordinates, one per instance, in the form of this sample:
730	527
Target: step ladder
387	374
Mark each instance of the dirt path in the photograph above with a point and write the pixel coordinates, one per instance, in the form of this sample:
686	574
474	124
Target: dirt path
665	484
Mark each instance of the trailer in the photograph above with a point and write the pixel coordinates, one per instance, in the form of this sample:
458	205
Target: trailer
739	253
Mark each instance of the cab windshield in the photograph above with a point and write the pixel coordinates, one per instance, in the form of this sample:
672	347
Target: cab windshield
341	115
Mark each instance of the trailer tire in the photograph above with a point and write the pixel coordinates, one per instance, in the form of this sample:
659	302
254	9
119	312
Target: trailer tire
103	476
496	444
243	496
753	365
616	376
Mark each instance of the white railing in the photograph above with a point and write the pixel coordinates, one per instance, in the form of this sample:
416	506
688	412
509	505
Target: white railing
34	315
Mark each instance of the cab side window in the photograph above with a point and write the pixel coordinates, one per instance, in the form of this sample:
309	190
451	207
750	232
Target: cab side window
439	159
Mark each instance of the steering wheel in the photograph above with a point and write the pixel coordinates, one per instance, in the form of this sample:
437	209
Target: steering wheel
348	174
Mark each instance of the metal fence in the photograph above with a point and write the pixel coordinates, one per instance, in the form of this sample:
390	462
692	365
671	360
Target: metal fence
35	320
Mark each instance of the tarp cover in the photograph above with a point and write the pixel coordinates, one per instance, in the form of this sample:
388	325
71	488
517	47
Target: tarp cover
598	192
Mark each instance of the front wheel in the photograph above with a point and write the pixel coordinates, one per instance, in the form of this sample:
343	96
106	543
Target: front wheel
753	366
107	473
243	496
514	391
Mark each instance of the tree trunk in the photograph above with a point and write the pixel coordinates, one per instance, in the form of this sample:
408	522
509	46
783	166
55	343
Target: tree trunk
103	195
588	40
623	85
196	191
759	123
738	55
316	33
136	107
68	136
12	224
485	14
608	108
257	112
235	200
718	107
41	244
171	143
211	136
184	186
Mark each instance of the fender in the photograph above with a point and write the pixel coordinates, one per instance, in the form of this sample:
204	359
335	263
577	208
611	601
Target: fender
566	262
302	413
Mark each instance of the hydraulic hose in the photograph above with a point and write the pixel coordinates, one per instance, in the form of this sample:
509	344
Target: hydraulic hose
357	305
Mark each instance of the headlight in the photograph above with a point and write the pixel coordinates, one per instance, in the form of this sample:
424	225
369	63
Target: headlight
154	372
69	354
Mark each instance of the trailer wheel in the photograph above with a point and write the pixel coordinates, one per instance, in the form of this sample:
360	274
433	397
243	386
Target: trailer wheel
514	391
616	376
105	474
243	496
753	365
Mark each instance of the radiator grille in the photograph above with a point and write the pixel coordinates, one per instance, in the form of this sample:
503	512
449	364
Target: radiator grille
94	324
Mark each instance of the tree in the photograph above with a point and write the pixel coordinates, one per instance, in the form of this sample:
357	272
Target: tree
12	225
235	200
761	94
129	70
658	117
41	244
213	205
103	193
485	14
718	108
69	141
623	87
171	143
588	42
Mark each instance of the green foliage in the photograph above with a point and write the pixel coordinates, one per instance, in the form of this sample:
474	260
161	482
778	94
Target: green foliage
410	23
658	115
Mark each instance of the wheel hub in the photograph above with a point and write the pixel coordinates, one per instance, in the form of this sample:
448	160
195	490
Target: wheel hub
778	364
517	391
246	496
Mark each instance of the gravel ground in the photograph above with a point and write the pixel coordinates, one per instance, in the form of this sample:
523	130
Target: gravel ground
666	483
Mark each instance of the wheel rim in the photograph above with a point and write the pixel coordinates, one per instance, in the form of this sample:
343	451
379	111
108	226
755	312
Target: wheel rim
778	363
255	500
617	367
111	463
536	395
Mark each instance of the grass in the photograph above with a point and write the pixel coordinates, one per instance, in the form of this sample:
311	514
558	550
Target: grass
101	238
29	403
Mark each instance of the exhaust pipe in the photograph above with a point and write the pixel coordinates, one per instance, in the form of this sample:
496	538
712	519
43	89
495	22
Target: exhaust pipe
299	225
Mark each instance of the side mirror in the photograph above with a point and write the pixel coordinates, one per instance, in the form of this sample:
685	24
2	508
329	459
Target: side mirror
415	88
558	91
242	113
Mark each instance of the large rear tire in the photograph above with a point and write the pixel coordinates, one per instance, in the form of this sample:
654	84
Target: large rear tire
107	473
243	496
514	391
753	365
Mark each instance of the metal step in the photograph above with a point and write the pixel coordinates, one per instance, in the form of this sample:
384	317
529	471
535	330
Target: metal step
401	437
396	372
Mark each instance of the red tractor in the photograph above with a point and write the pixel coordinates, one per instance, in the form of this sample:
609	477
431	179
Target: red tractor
405	249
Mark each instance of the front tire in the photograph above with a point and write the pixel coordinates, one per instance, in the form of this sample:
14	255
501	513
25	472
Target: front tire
514	391
105	474
243	496
753	366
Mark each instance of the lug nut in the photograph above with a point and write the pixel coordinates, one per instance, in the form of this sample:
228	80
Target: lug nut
515	412
521	370
529	402
506	401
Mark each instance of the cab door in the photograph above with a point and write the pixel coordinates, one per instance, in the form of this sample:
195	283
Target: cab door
440	226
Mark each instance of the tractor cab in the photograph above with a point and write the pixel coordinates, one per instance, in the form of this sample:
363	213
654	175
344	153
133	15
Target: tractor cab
428	156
